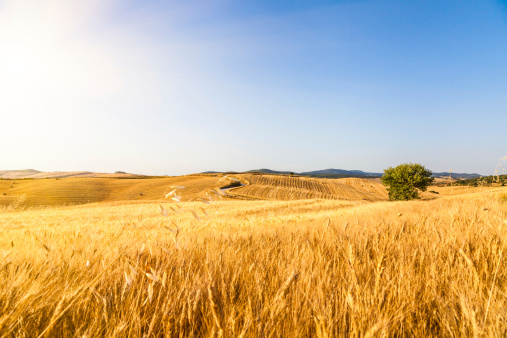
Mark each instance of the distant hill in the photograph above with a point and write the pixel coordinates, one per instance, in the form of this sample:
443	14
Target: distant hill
329	173
341	172
269	171
19	173
32	173
325	173
456	175
482	180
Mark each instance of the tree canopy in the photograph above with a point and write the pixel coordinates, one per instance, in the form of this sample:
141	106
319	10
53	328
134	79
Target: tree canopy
406	180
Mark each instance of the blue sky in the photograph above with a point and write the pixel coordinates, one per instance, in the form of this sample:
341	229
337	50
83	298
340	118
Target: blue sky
166	87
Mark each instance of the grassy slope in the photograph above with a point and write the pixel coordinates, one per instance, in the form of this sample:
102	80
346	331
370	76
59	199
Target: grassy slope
296	268
461	190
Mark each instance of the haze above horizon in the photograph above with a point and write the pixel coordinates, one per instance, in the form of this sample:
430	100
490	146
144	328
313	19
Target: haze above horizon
164	87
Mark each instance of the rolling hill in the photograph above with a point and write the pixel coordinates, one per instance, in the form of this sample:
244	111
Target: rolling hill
81	190
341	173
32	173
86	187
317	173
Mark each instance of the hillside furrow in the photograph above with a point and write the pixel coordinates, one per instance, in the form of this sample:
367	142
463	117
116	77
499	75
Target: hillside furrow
277	187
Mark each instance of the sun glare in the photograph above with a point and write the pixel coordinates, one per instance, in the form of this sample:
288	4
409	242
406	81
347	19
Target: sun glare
41	54
19	68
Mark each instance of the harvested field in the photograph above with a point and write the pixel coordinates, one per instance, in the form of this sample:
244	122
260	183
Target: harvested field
281	187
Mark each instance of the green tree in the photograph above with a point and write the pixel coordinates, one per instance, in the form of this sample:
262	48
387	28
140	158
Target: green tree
404	181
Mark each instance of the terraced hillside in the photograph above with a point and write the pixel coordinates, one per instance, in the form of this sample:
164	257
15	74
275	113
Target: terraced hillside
278	187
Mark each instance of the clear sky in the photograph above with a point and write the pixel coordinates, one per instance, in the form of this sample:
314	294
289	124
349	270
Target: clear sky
175	87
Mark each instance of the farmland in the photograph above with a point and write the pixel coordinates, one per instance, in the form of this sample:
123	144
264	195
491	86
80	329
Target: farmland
43	192
82	190
331	259
285	187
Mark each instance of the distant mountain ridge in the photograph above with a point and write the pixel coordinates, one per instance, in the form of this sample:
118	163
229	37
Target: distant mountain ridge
324	173
269	171
456	175
340	172
329	173
337	173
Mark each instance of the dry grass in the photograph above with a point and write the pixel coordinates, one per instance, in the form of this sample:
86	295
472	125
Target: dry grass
257	268
461	190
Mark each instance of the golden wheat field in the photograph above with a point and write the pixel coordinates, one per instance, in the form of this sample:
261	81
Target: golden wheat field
82	190
306	257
